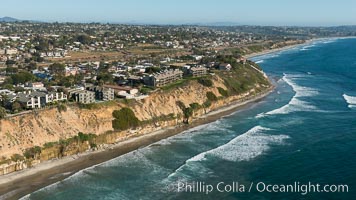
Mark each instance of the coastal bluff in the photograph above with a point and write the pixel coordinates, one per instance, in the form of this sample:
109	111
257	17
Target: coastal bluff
159	110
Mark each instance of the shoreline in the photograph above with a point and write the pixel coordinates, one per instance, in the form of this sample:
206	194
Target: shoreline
309	41
21	183
270	51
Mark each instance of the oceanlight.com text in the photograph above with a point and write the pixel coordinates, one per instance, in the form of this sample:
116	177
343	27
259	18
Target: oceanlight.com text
303	189
261	187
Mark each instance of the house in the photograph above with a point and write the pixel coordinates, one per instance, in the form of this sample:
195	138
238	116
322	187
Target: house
71	71
224	66
2	79
123	94
11	51
36	85
7	94
121	89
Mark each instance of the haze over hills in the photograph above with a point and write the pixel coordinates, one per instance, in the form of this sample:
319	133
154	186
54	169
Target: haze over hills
8	19
11	19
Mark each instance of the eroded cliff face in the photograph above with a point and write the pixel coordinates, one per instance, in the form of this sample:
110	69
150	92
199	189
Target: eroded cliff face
39	127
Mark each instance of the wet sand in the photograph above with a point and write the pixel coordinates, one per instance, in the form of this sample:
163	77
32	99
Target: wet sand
21	183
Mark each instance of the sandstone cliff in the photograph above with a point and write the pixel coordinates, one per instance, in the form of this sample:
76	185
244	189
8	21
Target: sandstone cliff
49	125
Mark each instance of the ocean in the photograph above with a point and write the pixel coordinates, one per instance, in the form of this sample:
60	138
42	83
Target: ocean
301	135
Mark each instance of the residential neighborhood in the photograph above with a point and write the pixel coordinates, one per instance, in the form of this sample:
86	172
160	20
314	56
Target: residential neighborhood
43	64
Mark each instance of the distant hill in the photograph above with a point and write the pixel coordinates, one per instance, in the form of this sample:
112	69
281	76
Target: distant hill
9	19
215	24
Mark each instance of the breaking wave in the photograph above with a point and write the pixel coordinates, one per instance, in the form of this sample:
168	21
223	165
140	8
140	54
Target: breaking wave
244	147
295	104
260	61
350	100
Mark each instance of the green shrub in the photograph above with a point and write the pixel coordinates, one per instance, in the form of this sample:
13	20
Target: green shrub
17	157
61	107
145	90
211	96
82	137
124	119
223	92
32	152
89	106
206	82
207	104
195	106
180	105
49	144
188	112
2	112
92	145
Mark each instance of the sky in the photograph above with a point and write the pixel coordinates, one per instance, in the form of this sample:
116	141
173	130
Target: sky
243	12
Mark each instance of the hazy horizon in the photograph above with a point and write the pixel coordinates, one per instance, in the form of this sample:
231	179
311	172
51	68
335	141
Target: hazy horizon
254	12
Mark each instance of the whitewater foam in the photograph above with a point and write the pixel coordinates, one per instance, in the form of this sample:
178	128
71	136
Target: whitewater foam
351	100
295	104
260	61
244	147
307	47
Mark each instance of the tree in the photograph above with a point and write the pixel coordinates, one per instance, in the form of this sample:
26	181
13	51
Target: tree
152	70
11	70
84	39
57	68
105	77
32	66
16	107
22	77
43	44
10	62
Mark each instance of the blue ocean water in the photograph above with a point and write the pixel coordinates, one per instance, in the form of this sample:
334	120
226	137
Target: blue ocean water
305	131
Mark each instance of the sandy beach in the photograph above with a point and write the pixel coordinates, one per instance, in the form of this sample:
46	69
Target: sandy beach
21	183
277	49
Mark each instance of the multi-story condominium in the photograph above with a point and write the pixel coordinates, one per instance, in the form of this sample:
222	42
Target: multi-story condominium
83	96
31	101
103	93
55	96
38	99
163	78
198	71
